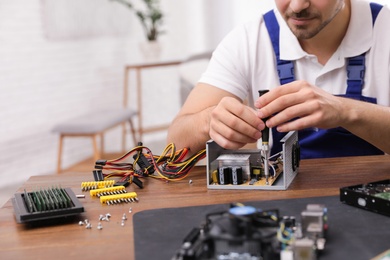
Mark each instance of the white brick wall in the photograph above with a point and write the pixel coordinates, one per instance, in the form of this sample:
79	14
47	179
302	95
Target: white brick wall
44	81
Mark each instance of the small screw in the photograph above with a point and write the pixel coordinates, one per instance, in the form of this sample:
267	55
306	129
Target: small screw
99	226
88	226
124	217
130	210
190	181
81	223
123	223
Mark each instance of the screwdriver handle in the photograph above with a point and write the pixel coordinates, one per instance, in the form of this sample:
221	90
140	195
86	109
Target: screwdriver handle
265	131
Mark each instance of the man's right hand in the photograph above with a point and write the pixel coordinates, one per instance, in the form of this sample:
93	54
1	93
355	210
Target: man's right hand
233	124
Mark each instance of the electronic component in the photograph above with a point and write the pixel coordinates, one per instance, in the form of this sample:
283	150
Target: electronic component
244	232
265	144
146	167
383	256
249	169
373	196
107	191
45	204
171	165
98	175
137	182
91	185
124	181
119	198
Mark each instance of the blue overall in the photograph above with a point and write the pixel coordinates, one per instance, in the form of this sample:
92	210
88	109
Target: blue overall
324	143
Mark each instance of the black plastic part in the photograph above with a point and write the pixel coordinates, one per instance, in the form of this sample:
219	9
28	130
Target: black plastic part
143	163
192	236
296	156
23	215
138	182
98	175
101	162
126	182
265	131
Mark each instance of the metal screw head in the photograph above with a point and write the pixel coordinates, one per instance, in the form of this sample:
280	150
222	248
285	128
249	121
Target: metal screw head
100	226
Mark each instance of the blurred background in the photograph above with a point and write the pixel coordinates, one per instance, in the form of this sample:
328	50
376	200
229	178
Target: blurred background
64	58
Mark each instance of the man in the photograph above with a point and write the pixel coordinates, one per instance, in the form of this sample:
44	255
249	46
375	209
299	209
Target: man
337	96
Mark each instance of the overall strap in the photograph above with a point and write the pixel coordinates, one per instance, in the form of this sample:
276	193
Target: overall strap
321	143
285	68
375	9
356	65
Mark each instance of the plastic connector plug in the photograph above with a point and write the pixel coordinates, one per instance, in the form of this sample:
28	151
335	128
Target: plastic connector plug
107	191
101	162
98	175
143	163
91	185
124	183
119	198
138	182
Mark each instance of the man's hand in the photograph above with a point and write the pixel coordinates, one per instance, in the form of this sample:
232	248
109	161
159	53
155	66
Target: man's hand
233	124
299	105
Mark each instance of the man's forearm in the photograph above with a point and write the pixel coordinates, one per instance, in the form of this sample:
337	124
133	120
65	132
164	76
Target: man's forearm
191	130
370	122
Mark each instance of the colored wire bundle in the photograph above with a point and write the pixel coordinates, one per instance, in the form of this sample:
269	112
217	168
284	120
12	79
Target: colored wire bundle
171	165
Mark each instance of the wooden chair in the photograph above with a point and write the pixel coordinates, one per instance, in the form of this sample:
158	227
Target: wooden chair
94	125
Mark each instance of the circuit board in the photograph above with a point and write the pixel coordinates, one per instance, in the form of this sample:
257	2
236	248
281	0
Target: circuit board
45	204
373	196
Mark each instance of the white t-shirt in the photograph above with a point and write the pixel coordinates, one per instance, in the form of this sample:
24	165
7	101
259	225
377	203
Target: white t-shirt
244	62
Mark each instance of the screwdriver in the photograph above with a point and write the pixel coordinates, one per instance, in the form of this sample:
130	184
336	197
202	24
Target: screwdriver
265	143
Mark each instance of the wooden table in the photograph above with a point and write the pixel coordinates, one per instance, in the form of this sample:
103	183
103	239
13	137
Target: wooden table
317	177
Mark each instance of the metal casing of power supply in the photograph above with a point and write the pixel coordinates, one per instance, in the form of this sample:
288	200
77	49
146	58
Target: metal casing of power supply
252	157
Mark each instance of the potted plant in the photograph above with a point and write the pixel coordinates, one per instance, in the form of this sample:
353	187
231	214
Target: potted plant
151	18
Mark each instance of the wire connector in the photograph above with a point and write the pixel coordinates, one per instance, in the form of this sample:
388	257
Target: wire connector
98	175
138	182
143	163
101	162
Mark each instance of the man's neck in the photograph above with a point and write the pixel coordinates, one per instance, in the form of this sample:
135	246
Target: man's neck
326	42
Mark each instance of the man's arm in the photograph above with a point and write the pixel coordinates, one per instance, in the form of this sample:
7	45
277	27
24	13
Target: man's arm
210	112
299	105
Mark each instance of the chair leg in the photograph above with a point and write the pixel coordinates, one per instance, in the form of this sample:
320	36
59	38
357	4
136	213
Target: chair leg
59	158
133	133
123	137
96	154
101	152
